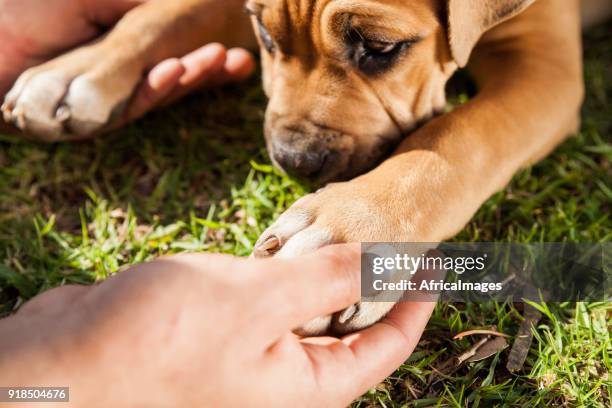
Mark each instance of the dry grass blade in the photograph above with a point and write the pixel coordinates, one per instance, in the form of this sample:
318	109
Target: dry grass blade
479	331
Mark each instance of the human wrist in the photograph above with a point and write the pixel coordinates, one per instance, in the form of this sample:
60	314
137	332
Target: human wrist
37	351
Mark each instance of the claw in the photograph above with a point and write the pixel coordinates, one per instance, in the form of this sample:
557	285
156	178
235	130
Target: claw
7	109
267	248
347	313
63	114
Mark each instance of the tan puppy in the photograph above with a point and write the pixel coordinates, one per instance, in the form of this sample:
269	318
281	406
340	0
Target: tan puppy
347	81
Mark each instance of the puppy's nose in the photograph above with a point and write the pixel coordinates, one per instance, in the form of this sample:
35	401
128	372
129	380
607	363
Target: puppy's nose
299	163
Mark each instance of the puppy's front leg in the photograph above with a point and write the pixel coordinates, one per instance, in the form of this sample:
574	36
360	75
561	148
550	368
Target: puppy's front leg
529	71
79	93
530	76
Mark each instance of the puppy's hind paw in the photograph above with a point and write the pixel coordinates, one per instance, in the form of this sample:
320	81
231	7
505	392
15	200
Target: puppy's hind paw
72	97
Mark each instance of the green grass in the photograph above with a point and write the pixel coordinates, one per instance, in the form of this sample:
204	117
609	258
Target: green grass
196	178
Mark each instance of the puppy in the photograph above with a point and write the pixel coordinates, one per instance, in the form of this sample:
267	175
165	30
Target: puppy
347	81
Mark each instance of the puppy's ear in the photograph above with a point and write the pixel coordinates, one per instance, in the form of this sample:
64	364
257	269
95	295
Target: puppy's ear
469	19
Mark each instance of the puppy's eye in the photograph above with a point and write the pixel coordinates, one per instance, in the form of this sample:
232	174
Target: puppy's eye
379	47
266	38
374	56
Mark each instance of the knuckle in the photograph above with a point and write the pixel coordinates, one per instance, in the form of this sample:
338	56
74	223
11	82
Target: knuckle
300	209
345	271
294	219
304	201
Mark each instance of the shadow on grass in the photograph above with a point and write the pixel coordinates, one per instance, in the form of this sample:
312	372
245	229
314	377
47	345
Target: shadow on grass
173	162
188	178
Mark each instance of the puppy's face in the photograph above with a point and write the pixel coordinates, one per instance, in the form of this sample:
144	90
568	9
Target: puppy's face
347	79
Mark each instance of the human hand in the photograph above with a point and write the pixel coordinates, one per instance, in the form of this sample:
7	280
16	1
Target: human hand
384	205
209	66
208	330
60	25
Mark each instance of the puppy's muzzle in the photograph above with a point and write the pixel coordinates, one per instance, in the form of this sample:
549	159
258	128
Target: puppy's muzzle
310	152
303	164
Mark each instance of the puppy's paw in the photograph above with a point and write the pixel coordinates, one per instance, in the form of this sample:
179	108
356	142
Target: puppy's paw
341	212
354	318
359	316
72	96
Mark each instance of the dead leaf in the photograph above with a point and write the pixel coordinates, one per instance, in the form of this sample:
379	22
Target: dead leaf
522	342
490	348
472	351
